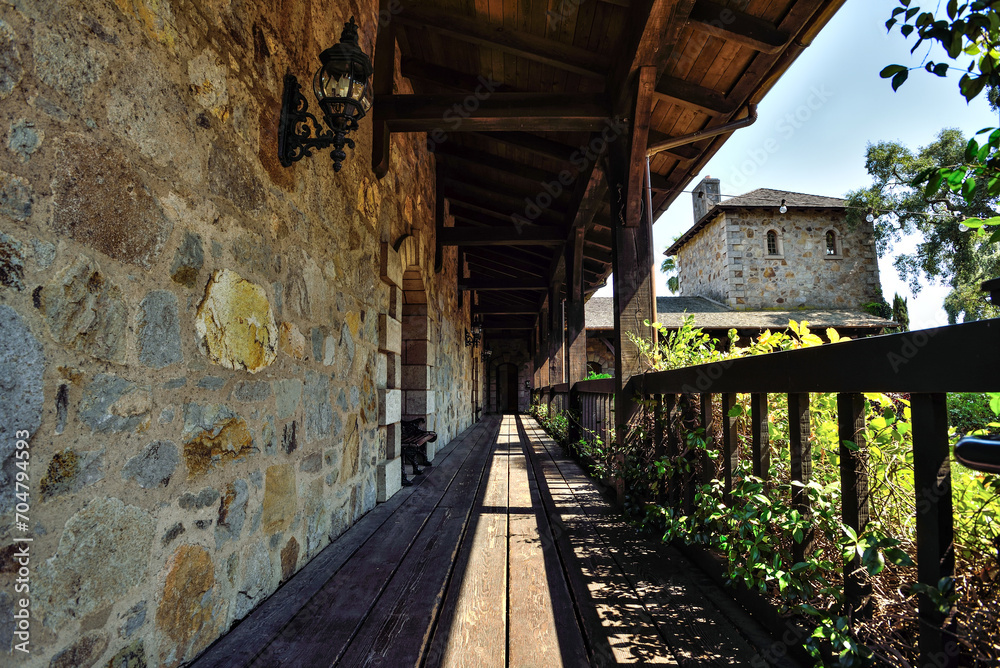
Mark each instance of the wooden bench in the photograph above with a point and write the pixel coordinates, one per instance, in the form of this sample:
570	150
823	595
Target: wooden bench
412	444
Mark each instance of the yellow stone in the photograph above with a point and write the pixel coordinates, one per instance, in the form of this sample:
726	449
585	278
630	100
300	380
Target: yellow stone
235	323
227	442
279	497
291	341
184	614
353	319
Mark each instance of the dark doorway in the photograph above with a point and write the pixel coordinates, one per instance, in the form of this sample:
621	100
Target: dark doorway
507	388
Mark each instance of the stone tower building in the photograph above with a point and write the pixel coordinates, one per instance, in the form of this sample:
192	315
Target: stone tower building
749	255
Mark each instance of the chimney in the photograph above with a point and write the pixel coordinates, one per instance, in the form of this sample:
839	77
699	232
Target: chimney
706	194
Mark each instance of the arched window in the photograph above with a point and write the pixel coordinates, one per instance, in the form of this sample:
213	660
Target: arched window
831	243
773	244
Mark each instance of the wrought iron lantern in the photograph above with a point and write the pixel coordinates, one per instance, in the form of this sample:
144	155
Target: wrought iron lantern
344	94
474	338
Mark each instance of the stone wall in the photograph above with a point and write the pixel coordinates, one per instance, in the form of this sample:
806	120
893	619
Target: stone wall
189	331
803	276
702	263
507	351
599	353
727	261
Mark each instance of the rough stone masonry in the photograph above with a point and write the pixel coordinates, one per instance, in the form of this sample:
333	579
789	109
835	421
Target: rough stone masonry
189	331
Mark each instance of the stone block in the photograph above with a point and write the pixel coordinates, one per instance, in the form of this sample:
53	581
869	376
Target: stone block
392	434
388	479
418	352
390	268
382	371
418	402
415	326
416	377
396	303
392	372
390	334
390	404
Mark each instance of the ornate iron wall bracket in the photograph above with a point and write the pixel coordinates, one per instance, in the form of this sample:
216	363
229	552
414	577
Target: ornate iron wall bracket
299	133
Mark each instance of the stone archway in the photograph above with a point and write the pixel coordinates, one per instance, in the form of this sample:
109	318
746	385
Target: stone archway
417	354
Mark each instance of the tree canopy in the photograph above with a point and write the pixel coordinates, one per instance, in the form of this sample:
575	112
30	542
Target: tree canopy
949	249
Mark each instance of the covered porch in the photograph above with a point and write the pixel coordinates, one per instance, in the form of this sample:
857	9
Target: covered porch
503	554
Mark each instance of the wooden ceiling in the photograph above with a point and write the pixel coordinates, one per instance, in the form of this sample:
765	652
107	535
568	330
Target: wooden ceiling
514	94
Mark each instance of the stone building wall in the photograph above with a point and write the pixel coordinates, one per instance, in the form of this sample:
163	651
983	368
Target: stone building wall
599	353
803	276
727	261
507	351
190	332
702	264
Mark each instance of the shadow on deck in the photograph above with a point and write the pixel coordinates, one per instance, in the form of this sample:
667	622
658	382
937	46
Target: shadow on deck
503	554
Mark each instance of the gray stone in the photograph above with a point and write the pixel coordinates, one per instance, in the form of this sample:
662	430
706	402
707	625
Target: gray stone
256	255
67	63
86	311
256	579
51	108
355	396
135	618
24	139
269	436
159	330
45	253
319	411
202	499
15	197
347	344
62	408
342	400
175	383
154	465
318	336
22	365
278	297
70	471
205	417
330	351
232	176
188	260
232	512
250	391
11	262
131	656
103	553
6	621
166	416
287	393
216	249
11	69
113	404
289	440
257	479
212	383
312	463
171	533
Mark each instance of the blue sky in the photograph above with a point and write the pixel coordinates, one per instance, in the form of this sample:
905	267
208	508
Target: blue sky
822	114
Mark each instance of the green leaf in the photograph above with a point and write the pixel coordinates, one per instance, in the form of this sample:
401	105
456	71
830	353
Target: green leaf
995	239
898	557
892	70
900	78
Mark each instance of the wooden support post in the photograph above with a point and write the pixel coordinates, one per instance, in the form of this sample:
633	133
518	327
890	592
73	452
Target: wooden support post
935	532
761	450
632	264
557	337
673	450
576	331
730	443
856	501
382	80
659	442
800	448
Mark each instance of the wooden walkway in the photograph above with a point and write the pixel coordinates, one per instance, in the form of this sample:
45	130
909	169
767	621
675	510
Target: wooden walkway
503	554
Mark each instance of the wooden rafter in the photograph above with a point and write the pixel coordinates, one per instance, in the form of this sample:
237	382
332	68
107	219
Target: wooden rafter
502	236
736	26
584	62
692	95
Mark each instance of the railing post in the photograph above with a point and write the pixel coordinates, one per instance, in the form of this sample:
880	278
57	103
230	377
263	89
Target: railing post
761	442
730	442
854	487
935	531
575	415
800	450
673	448
708	425
659	436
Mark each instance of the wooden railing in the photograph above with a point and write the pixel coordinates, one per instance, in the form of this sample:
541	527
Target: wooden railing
925	364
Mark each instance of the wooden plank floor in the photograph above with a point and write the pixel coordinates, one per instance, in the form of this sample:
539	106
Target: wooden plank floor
503	554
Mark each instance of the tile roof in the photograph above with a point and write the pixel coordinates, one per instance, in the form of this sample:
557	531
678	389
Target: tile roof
712	315
762	197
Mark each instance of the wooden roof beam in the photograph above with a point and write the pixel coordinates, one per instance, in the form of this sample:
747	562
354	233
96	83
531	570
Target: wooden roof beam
453	153
540	146
502	236
692	95
490	200
439	115
486	284
584	62
516	184
447	78
735	26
